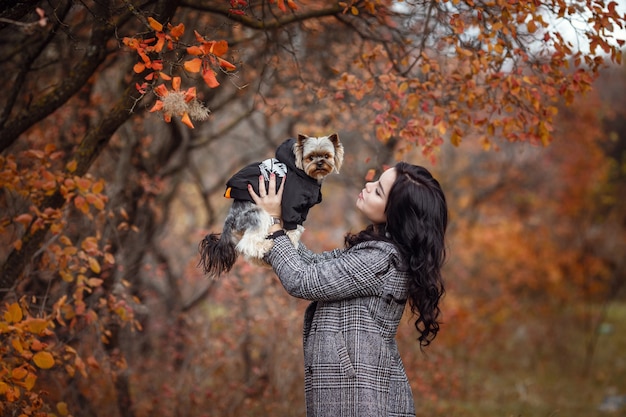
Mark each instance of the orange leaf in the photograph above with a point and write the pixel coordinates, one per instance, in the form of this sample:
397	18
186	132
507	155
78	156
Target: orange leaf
219	48
24	218
155	25
43	360
193	65
90	245
199	37
160	43
158	106
186	120
226	65
83	183
139	67
81	204
176	83
209	78
161	90
177	31
95	201
370	174
19	373
195	50
190	94
95	282
157	65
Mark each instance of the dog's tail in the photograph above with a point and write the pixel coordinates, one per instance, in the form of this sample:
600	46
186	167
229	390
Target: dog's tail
217	253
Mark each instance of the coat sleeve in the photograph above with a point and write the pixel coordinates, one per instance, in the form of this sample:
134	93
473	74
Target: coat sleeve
357	272
308	257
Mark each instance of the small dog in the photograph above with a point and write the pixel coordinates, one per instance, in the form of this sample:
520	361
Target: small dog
308	160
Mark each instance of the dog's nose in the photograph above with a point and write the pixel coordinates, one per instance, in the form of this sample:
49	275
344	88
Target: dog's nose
320	164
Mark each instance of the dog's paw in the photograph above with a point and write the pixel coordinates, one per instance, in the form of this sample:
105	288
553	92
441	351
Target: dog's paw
294	235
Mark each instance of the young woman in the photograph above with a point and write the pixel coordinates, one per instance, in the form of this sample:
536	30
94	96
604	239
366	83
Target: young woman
358	294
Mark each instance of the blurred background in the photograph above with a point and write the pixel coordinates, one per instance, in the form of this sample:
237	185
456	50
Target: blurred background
103	201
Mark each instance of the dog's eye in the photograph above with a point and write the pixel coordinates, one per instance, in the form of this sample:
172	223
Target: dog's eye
327	156
311	158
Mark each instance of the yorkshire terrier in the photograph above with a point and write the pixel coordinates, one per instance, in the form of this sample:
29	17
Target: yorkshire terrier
308	160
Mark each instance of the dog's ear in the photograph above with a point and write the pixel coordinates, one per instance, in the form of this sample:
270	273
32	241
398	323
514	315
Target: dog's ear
298	150
334	138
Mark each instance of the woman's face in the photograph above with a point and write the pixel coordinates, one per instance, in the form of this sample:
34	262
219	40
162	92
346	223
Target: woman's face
373	198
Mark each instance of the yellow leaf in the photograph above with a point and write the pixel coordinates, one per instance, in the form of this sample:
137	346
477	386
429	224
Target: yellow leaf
193	65
30	380
455	139
66	276
37	326
17	345
62	408
98	187
155	25
71	166
14	313
94	265
43	360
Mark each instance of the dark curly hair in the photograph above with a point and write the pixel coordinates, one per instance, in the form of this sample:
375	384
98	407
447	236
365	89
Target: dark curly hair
417	219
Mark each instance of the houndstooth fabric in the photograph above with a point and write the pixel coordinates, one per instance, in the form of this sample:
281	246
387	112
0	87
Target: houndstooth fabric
351	360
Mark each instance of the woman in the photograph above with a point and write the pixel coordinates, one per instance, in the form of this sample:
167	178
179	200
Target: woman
358	294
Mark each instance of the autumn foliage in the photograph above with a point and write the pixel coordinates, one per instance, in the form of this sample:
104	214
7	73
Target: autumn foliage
121	121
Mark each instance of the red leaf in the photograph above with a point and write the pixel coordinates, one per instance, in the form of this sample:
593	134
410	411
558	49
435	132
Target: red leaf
209	78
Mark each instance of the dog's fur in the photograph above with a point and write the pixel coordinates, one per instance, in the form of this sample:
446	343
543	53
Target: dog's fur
246	225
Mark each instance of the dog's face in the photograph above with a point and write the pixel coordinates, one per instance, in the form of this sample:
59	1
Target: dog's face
318	156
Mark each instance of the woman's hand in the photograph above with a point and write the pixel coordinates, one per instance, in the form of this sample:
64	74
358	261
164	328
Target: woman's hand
271	199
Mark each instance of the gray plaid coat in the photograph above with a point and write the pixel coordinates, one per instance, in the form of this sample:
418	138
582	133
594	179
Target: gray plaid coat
351	360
